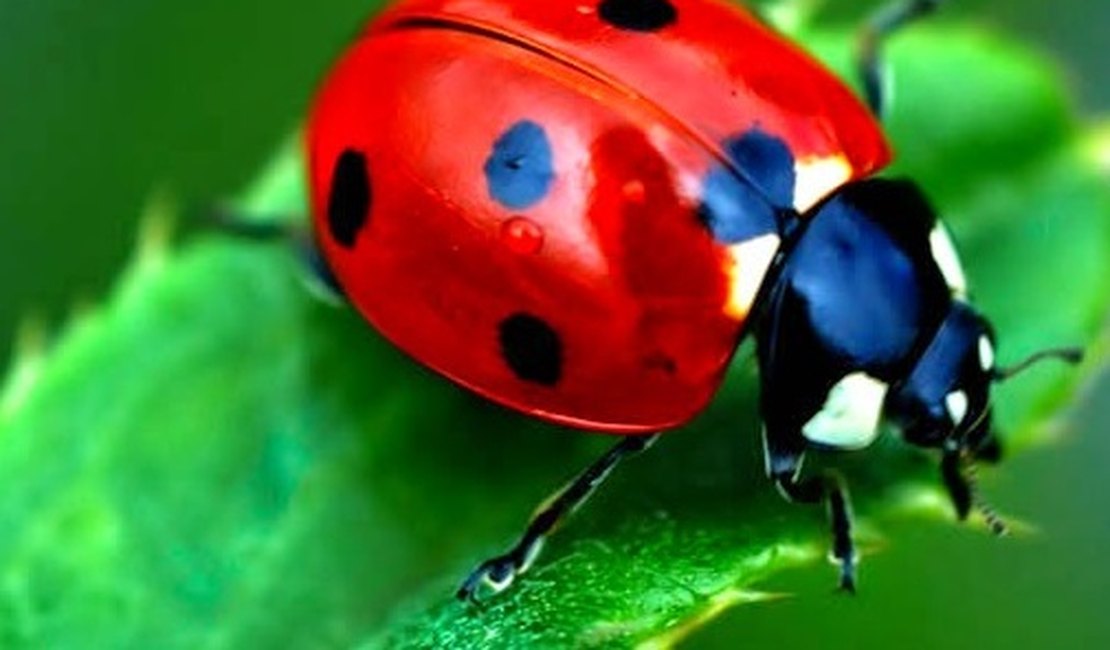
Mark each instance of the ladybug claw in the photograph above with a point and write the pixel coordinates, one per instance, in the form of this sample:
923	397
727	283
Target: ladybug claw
496	573
847	579
846	563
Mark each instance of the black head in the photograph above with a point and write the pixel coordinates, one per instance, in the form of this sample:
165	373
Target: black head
945	402
946	397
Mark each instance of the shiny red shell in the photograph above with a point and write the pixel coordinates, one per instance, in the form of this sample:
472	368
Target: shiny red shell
602	268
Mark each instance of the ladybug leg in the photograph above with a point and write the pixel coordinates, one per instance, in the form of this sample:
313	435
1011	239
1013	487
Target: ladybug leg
784	447
233	223
956	483
881	26
828	489
498	573
322	282
958	472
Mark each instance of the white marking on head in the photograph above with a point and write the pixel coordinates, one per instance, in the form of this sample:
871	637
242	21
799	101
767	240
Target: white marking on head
986	353
946	257
747	265
957	406
851	414
816	178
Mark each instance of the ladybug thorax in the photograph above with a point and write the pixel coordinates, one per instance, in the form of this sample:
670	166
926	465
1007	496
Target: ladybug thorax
869	321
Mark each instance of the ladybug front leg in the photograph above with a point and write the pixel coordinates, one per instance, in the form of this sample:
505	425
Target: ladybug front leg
828	489
956	483
784	447
785	451
498	572
884	23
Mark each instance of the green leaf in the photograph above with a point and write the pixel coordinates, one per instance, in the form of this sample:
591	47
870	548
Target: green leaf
215	460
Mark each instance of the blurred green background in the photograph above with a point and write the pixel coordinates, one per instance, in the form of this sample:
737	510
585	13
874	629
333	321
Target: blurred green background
101	103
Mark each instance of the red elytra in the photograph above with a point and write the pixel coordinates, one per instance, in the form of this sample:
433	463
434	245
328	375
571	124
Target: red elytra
527	180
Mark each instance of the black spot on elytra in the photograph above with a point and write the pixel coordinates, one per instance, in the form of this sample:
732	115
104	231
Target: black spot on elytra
350	198
638	15
768	162
532	349
732	210
743	201
520	168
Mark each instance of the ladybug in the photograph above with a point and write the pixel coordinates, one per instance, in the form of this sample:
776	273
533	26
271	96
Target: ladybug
577	209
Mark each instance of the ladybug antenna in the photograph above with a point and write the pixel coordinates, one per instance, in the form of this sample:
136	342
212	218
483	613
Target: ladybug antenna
994	521
959	471
1071	356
